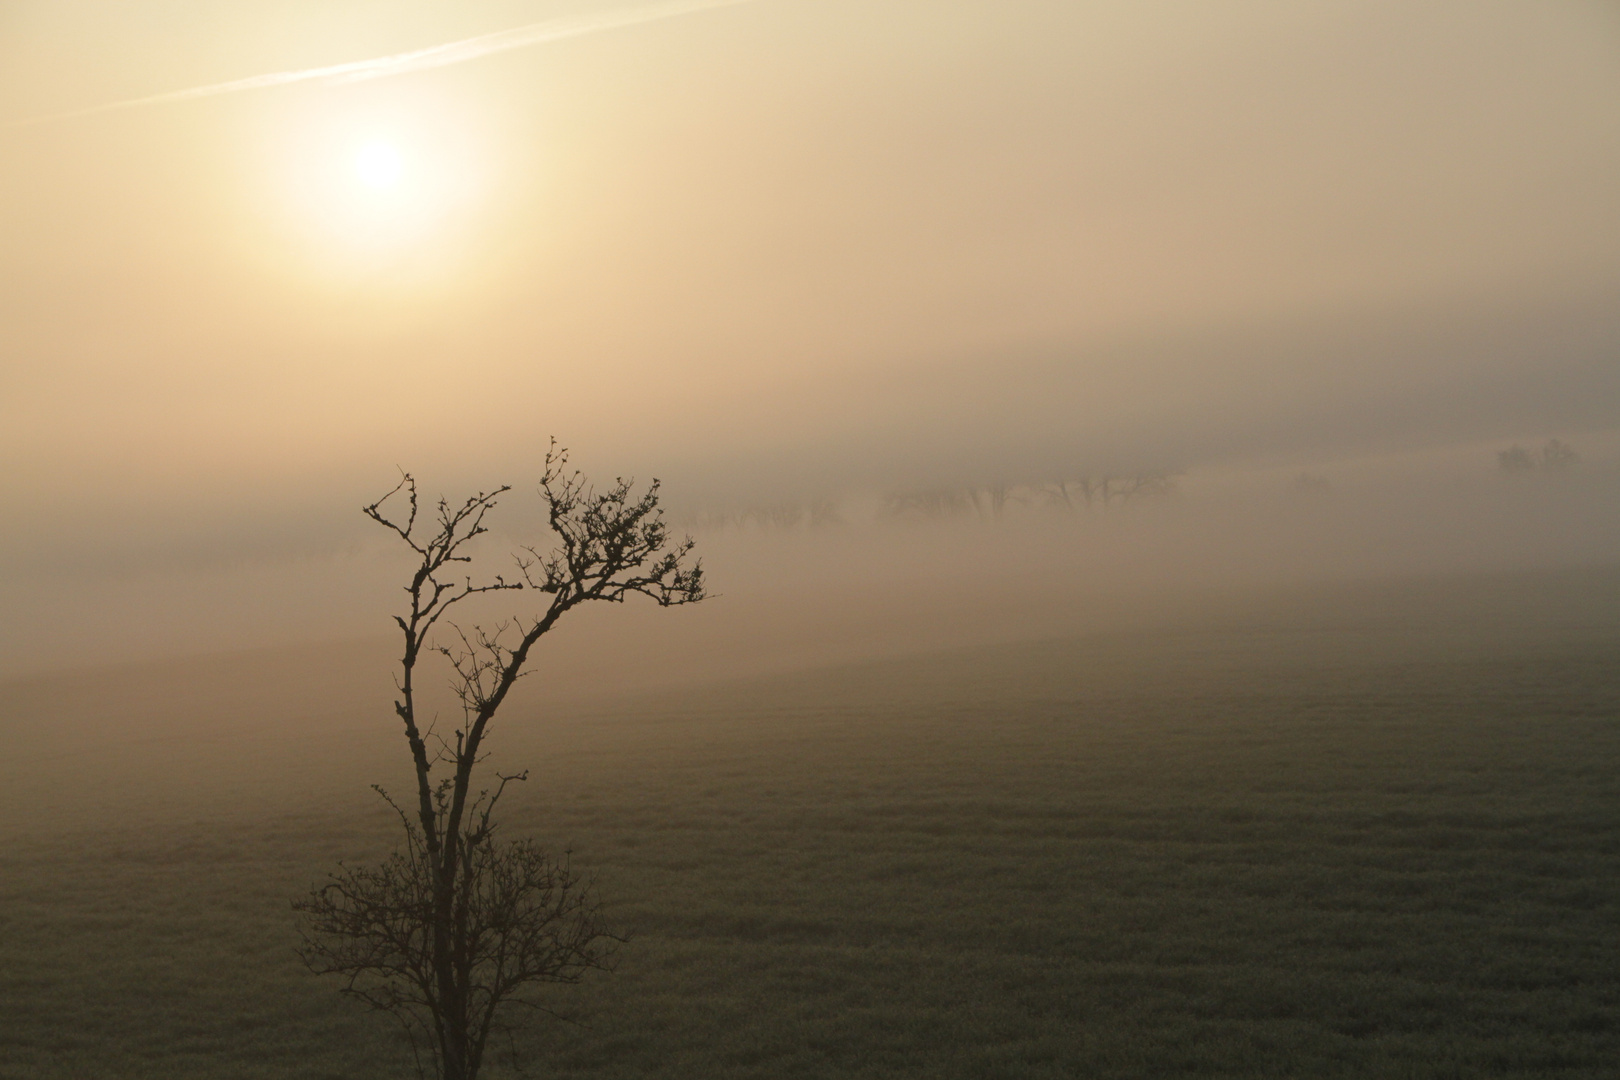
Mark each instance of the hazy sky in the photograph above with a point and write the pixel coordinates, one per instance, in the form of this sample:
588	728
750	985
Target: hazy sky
782	246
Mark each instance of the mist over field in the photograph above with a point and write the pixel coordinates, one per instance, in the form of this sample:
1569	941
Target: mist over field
1156	468
880	571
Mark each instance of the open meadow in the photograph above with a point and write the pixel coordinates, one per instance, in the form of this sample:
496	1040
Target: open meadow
1337	833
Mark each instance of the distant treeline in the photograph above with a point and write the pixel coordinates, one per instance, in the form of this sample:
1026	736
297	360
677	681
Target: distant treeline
816	514
1555	456
987	502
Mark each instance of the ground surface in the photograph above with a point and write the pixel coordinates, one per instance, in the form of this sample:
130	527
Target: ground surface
1342	835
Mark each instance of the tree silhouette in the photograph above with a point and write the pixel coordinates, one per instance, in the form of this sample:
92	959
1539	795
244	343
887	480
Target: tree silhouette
460	925
1515	459
1558	454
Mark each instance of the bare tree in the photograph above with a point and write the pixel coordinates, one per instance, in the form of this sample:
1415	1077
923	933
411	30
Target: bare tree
1000	494
1126	488
824	514
1558	454
777	516
930	503
1106	489
462	924
1515	459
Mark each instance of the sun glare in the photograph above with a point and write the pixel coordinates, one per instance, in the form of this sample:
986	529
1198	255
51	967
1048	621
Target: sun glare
378	165
381	176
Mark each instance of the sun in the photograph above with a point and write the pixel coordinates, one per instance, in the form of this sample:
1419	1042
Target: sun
371	182
378	165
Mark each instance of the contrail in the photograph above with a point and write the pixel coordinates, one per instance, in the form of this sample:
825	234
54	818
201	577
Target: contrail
454	52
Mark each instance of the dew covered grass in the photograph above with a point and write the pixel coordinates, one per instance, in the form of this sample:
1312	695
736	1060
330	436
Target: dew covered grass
1331	841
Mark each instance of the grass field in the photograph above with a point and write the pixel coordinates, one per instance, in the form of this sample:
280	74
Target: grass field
1345	834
